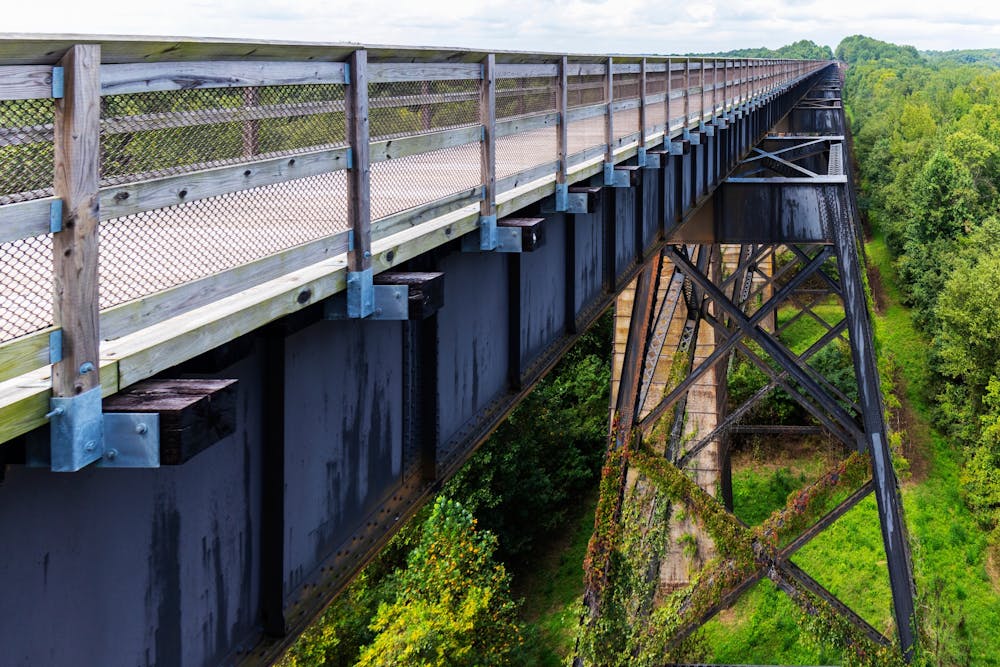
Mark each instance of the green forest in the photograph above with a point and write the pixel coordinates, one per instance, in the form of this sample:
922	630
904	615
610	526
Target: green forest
489	573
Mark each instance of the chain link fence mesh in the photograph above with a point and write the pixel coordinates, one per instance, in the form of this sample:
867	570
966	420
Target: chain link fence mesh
27	156
520	97
150	135
411	108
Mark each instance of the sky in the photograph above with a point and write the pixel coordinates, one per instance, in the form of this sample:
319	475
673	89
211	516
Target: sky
570	26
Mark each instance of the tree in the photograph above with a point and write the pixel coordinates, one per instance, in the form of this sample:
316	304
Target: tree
453	607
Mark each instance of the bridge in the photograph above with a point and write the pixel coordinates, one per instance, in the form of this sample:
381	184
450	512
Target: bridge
260	299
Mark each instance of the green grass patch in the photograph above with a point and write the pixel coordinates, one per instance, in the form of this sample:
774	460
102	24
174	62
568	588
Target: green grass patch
553	592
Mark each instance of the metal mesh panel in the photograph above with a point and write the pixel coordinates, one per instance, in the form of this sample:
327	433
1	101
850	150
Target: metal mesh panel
585	90
164	133
405	108
627	86
524	96
25	286
524	150
411	108
626	123
170	132
151	251
584	134
26	150
656	113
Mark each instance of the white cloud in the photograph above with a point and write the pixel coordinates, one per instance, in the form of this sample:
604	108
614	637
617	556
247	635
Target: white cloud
576	26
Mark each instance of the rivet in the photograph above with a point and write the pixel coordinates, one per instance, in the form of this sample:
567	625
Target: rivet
90	446
86	367
141	429
111	454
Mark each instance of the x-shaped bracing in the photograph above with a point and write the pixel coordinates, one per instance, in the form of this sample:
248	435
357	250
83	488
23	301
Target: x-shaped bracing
761	551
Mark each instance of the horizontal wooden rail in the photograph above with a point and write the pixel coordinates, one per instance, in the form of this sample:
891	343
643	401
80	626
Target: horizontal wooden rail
24	220
25	82
150	77
25	354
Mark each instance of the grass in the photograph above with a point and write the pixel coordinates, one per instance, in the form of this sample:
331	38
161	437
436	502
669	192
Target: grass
958	603
553	591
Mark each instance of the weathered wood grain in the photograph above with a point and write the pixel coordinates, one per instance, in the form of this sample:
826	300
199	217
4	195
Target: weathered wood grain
25	82
75	248
387	72
148	77
25	354
194	414
517	71
24	220
488	153
359	208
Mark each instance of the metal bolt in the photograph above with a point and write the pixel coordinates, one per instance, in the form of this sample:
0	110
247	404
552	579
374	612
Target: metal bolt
141	429
55	412
111	454
90	446
86	367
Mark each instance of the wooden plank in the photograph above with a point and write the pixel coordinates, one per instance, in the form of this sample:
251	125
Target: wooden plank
135	315
25	354
392	149
417	215
387	72
586	69
194	414
149	77
527	176
518	71
75	248
488	154
627	68
24	220
359	212
526	123
121	200
25	82
625	105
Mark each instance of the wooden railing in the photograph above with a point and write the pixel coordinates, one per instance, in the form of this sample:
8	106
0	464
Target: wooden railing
140	181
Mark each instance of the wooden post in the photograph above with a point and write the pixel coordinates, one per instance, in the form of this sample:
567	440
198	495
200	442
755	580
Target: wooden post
75	248
488	155
562	137
701	79
666	102
609	125
642	112
360	290
687	92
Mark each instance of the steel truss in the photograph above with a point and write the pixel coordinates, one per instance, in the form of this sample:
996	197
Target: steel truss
736	307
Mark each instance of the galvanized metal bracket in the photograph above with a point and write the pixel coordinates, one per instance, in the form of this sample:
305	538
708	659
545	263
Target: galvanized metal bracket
360	294
676	148
562	197
76	437
390	302
131	440
615	178
58	83
653	161
55	346
709	130
55	216
487	232
640	157
506	239
694	138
